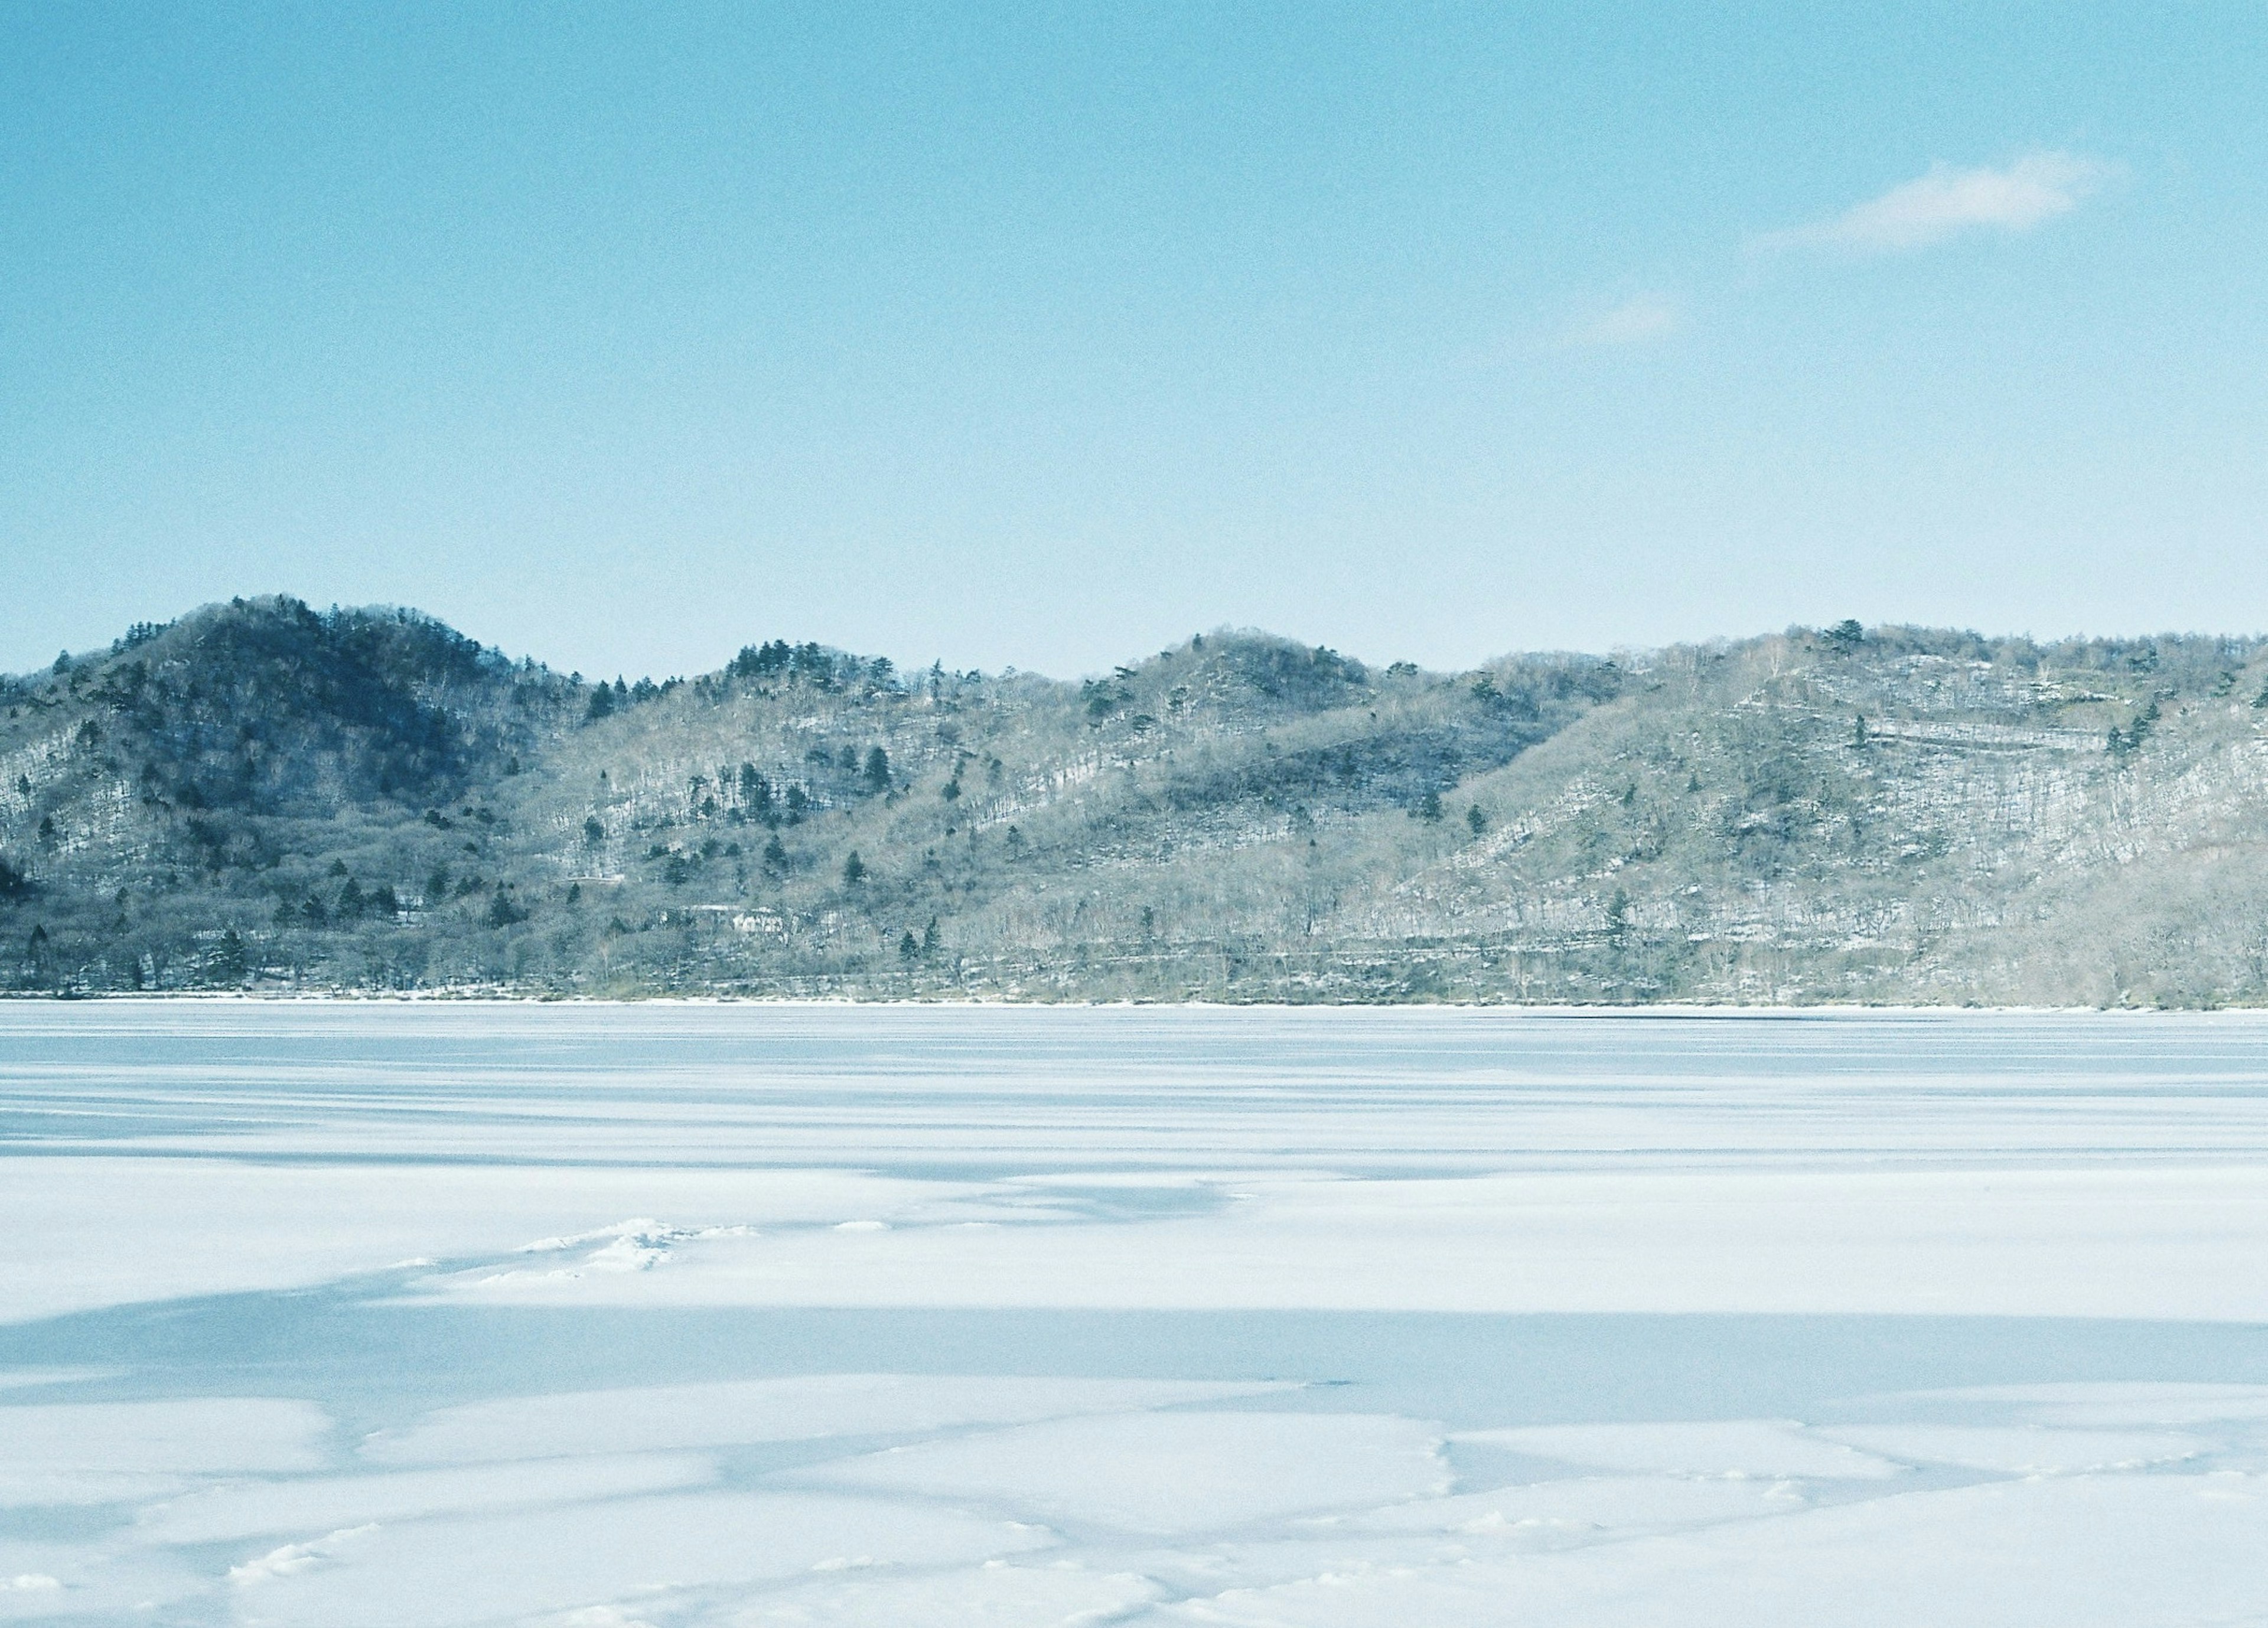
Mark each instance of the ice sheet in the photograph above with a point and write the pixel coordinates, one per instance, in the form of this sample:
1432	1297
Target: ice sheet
996	1594
686	1317
2024	1450
26	1488
41	1579
93	1230
2109	1406
1585	1510
2117	1552
1716	1447
758	1410
134	1438
492	1567
1164	1472
2182	1243
317	1505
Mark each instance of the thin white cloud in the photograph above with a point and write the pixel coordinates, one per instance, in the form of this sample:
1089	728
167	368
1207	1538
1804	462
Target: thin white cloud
2015	197
1633	321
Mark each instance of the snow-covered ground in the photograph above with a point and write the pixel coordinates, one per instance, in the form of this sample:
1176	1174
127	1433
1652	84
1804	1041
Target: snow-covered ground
358	1314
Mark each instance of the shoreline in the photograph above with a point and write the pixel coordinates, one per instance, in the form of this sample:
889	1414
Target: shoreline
1720	1010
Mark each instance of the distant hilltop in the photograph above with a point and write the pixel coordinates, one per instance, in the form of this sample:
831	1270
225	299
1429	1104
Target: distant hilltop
261	796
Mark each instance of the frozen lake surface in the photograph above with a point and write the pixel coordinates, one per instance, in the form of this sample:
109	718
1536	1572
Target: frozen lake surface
353	1315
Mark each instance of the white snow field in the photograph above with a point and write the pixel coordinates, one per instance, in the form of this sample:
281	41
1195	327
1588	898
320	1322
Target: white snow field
358	1314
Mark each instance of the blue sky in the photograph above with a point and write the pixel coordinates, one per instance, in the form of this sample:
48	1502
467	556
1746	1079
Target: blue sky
625	335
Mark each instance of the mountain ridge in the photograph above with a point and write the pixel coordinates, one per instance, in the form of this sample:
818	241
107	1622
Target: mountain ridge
259	795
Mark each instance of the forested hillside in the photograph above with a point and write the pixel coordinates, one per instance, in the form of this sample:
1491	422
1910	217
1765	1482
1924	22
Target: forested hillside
261	796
